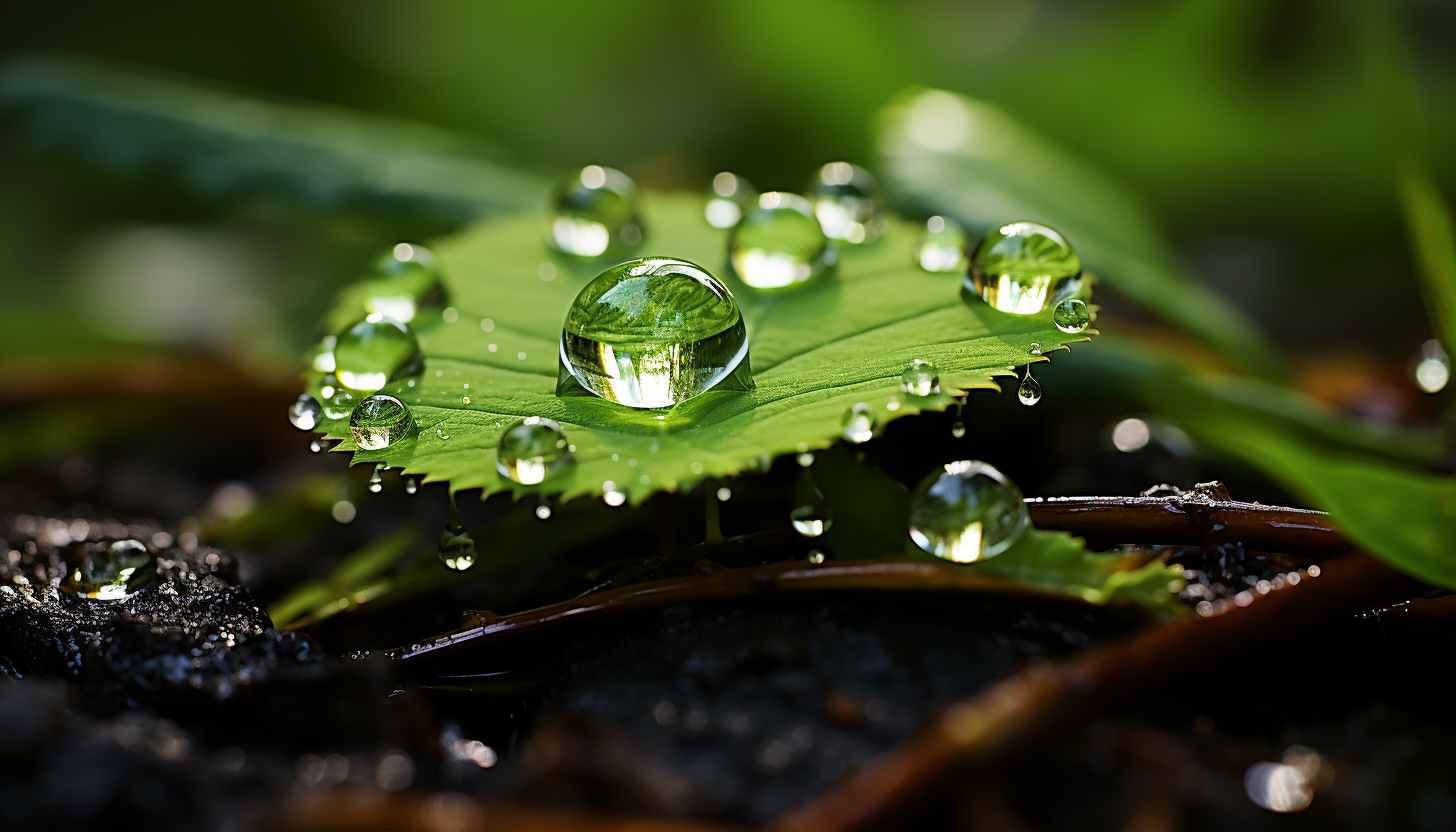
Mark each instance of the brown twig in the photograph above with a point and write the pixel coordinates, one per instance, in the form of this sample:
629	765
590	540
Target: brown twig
449	812
1031	706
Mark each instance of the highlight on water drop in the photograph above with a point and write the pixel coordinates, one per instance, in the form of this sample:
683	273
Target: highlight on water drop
967	511
594	213
1023	268
780	244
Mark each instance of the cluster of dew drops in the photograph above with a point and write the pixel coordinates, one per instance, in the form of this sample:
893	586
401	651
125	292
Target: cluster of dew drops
777	240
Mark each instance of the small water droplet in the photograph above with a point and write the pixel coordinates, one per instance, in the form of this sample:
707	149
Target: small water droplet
531	449
811	515
339	405
465	400
380	421
893	404
1433	369
594	212
780	243
1072	316
816	556
323	357
966	512
725	494
653	333
958	429
847	203
376	479
1029	391
457	547
1034	349
543	510
732	195
921	378
441	434
411	485
115	573
859	423
611	496
1023	268
805	459
316	446
373	351
305	411
404	279
942	246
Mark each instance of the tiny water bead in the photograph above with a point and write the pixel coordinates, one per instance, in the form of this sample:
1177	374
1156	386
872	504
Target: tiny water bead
404	280
1028	392
811	515
531	449
1072	316
594	212
859	424
339	405
457	547
847	203
780	243
305	412
1023	268
966	512
732	195
373	350
1432	370
380	421
921	378
113	574
942	246
652	333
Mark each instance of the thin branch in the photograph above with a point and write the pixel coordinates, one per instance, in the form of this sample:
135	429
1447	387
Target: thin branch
345	811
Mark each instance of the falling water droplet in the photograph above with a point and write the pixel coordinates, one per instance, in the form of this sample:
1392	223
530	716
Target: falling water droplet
531	449
816	556
316	446
411	485
1029	391
339	405
1433	369
811	515
653	333
404	280
457	547
725	494
543	510
859	423
847	203
966	512
305	411
942	246
1072	316
921	378
805	459
1023	267
732	195
780	243
958	429
611	495
376	479
373	351
593	213
113	574
380	421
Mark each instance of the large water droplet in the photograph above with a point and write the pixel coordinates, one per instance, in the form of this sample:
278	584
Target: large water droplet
593	213
652	333
404	279
373	350
339	405
732	196
305	411
967	512
379	421
921	378
1024	267
942	246
780	243
811	515
859	423
531	449
113	574
457	547
847	203
1072	316
1029	391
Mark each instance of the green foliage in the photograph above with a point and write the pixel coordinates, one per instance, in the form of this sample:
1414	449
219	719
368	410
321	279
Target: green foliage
815	353
970	159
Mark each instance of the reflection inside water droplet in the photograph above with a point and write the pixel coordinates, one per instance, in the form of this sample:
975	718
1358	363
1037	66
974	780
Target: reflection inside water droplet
531	449
380	421
1072	316
1029	391
966	512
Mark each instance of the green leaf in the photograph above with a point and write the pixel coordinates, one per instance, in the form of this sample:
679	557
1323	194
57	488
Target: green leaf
971	160
815	353
222	143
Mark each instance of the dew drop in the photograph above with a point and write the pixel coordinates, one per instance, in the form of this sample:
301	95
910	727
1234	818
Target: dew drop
805	459
593	213
732	195
114	574
859	423
457	547
780	243
1034	349
339	405
411	485
305	411
811	515
1023	268
373	351
315	446
942	246
380	421
376	479
816	556
725	494
966	512
920	378
611	495
958	430
847	203
543	510
531	449
653	333
441	434
1072	316
1029	391
404	280
1432	370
